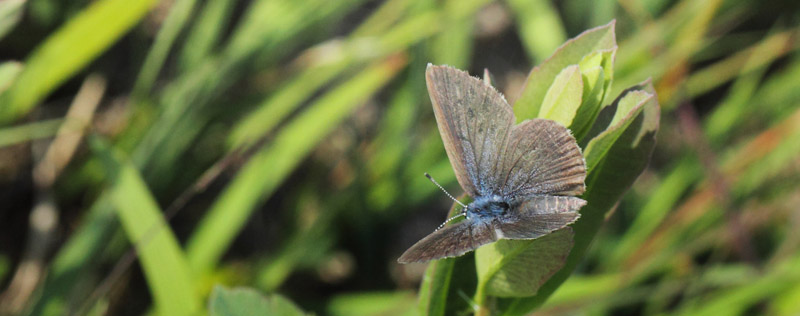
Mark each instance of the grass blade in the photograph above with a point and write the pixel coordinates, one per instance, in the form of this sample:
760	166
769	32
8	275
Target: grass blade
162	260
68	50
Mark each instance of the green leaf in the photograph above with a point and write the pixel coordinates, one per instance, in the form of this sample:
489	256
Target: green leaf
564	96
570	53
597	73
67	50
514	268
162	260
613	126
590	102
435	287
247	302
617	165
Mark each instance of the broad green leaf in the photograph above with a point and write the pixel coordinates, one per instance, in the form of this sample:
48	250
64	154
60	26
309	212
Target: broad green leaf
613	126
373	303
596	85
564	96
268	167
591	60
68	50
603	59
247	302
514	268
165	268
590	102
616	168
570	53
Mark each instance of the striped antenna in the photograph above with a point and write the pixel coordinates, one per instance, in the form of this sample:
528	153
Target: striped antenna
443	190
462	213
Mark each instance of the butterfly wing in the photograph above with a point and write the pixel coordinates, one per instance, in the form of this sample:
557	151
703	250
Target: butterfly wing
450	241
539	215
475	122
542	157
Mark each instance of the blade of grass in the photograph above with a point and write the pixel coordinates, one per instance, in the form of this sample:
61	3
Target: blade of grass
161	257
27	132
10	14
662	200
325	68
534	16
742	62
205	33
74	260
68	50
178	15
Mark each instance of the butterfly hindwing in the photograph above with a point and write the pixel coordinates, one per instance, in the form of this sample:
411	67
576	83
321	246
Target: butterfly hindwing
542	157
539	215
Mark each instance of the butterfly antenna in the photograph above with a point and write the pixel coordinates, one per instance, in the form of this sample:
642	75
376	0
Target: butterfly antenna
443	190
462	213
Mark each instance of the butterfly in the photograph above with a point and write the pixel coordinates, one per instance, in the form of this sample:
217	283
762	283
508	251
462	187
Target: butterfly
523	178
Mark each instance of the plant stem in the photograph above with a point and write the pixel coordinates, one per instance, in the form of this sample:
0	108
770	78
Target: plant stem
480	300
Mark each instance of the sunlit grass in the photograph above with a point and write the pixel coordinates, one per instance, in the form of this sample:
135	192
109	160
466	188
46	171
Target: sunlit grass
286	142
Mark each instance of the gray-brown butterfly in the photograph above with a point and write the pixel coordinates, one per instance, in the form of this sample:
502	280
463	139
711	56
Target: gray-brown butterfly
523	178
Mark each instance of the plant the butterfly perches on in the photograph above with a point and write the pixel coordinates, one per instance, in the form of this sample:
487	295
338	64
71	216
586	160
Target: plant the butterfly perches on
517	201
523	177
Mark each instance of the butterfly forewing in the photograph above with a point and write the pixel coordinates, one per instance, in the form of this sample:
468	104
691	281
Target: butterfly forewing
450	241
542	157
475	122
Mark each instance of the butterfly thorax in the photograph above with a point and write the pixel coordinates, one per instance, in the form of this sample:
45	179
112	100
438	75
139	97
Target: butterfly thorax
487	207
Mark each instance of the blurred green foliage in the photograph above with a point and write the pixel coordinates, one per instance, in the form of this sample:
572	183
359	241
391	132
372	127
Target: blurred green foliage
284	143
